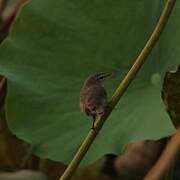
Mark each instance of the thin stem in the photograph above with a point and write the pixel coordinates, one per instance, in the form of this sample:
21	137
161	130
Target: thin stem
166	160
120	90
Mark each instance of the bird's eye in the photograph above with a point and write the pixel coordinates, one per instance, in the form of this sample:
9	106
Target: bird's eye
94	108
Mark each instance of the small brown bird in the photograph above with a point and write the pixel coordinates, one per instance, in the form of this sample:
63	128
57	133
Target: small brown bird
93	96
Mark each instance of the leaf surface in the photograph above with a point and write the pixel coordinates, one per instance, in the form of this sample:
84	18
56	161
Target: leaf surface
56	45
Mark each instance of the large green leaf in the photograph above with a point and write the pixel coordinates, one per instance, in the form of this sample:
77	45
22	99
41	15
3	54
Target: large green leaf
55	45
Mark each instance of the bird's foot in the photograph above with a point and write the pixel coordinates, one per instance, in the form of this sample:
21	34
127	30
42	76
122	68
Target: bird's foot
94	129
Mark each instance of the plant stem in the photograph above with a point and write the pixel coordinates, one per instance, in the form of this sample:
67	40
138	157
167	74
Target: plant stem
120	90
167	159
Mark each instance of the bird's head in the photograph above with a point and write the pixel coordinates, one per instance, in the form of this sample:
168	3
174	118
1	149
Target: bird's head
97	78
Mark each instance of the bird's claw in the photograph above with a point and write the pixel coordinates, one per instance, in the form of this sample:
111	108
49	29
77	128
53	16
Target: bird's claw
93	129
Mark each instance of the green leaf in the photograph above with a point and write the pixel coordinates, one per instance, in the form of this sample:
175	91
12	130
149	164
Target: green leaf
56	45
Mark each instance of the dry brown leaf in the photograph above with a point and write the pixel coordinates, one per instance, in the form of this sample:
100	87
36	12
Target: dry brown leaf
7	16
171	95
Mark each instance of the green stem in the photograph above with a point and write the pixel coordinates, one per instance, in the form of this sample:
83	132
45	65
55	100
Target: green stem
120	90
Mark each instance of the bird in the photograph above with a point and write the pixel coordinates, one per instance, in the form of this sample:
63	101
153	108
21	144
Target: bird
93	96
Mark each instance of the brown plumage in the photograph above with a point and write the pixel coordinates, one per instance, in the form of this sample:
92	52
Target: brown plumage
93	96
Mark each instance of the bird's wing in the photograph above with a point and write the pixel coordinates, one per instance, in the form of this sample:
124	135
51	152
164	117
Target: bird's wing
93	99
96	95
